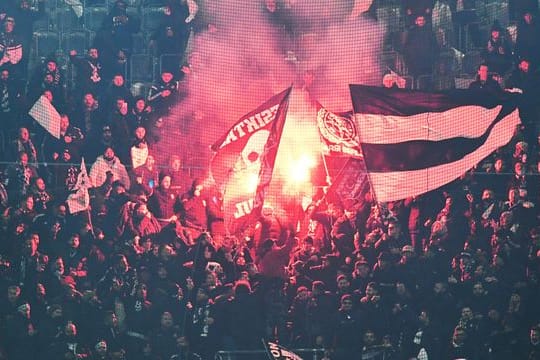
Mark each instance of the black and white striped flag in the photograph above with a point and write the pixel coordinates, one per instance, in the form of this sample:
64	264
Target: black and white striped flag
414	142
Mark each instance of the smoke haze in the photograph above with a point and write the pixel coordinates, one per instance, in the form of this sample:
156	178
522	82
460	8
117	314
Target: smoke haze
253	54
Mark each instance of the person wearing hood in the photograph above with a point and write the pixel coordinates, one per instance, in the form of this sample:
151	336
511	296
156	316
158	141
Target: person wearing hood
164	93
192	209
108	162
162	202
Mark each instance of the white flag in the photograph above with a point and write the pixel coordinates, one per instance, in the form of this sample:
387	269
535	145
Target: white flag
76	6
46	115
80	199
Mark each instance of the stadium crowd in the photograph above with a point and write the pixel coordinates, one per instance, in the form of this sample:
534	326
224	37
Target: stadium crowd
148	271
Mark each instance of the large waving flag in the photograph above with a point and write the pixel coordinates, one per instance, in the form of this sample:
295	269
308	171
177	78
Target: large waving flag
79	200
244	160
414	142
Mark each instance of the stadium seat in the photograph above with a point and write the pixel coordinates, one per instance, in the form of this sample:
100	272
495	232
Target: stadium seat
471	61
44	43
389	60
167	60
409	82
133	3
42	24
391	17
153	3
66	20
95	3
94	16
76	40
151	18
51	6
497	11
141	68
424	82
140	45
133	12
463	81
393	60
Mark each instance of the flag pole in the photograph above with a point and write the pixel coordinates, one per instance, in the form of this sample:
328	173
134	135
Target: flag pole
89	218
328	179
222	188
324	162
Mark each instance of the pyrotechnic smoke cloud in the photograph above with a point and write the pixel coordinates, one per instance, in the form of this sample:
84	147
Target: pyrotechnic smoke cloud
253	54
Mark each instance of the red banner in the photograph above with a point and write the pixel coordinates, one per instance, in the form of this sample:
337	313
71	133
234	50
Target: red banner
244	160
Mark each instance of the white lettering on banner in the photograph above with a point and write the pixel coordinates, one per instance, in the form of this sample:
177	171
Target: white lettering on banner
243	208
274	350
251	124
269	114
238	128
343	149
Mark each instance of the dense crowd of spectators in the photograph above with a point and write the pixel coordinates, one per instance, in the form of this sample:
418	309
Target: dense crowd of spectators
434	31
148	272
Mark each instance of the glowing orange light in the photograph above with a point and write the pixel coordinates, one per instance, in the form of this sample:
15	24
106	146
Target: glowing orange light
251	182
300	169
